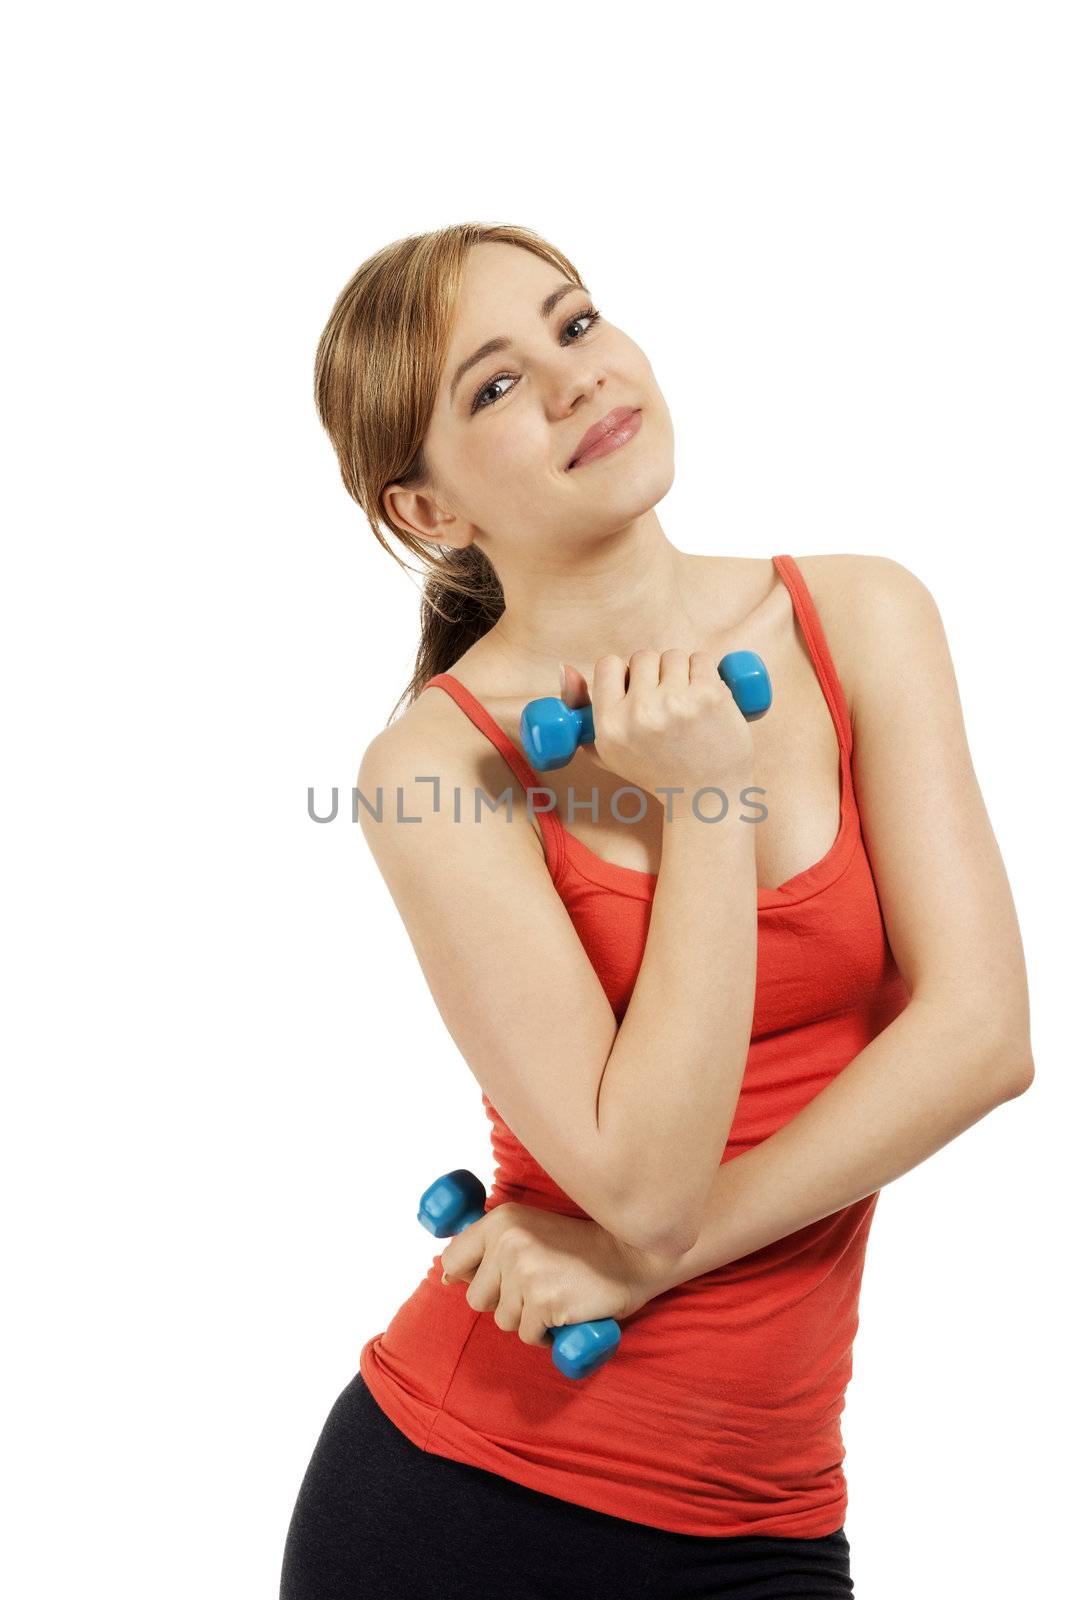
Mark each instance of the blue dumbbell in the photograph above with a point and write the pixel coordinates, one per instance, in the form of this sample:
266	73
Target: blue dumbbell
458	1199
551	731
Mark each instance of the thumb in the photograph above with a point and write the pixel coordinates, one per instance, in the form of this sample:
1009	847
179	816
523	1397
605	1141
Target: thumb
573	689
574	692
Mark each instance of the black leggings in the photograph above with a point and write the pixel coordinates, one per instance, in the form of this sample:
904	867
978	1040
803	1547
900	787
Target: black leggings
378	1518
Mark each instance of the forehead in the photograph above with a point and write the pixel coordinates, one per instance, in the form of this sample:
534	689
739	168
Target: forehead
501	280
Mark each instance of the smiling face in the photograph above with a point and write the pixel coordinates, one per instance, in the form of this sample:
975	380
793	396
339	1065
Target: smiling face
508	420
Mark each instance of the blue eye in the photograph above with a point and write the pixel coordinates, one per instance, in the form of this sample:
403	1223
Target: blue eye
590	315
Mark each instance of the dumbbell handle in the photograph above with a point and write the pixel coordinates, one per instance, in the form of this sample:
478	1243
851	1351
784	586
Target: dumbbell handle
456	1200
551	730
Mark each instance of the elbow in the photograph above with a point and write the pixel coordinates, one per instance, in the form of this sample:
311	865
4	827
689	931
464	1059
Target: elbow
1013	1062
671	1236
1015	1057
995	1041
675	1244
660	1213
1020	1075
667	1243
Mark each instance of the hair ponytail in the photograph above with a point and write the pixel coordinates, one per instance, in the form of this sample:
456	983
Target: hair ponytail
461	600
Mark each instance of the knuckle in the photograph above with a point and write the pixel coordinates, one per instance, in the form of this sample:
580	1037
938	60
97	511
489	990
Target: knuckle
711	686
679	704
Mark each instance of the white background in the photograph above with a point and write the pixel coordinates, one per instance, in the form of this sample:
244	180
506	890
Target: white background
838	232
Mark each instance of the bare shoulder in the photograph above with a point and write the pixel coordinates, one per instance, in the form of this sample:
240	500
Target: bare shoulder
418	736
840	583
424	725
405	769
871	608
428	766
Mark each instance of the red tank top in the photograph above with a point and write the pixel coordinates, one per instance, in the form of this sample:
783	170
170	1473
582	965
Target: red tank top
720	1414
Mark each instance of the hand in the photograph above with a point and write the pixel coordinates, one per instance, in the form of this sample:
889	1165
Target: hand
535	1270
663	720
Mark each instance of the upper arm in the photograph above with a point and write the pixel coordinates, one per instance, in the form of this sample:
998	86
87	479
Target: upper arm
941	881
504	964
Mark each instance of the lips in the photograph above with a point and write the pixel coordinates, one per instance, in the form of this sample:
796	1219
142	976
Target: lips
607	424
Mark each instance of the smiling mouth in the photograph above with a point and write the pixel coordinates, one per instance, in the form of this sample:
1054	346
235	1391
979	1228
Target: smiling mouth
611	441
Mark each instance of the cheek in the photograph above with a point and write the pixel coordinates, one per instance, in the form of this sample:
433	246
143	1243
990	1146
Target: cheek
507	481
505	446
515	465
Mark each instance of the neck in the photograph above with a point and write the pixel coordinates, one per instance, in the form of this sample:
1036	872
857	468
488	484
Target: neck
630	590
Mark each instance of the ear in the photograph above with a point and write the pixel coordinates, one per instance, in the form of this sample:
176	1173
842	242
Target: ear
418	512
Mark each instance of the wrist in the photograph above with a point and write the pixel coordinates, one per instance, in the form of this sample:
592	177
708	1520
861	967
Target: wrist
652	1272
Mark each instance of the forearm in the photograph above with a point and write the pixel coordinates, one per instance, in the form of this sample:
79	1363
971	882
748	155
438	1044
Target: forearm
669	1090
921	1082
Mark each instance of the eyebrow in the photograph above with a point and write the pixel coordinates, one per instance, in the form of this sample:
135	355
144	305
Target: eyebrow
491	346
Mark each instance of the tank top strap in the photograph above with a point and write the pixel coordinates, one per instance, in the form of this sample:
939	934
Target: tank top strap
547	819
811	627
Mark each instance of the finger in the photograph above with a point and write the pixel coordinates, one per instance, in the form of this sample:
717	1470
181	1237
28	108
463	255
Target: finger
508	1313
703	668
460	1258
609	683
484	1291
574	691
674	669
644	670
532	1326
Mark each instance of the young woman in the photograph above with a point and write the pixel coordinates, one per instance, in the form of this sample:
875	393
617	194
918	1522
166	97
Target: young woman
719	981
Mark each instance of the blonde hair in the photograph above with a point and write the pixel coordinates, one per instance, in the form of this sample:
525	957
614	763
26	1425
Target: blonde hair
377	370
